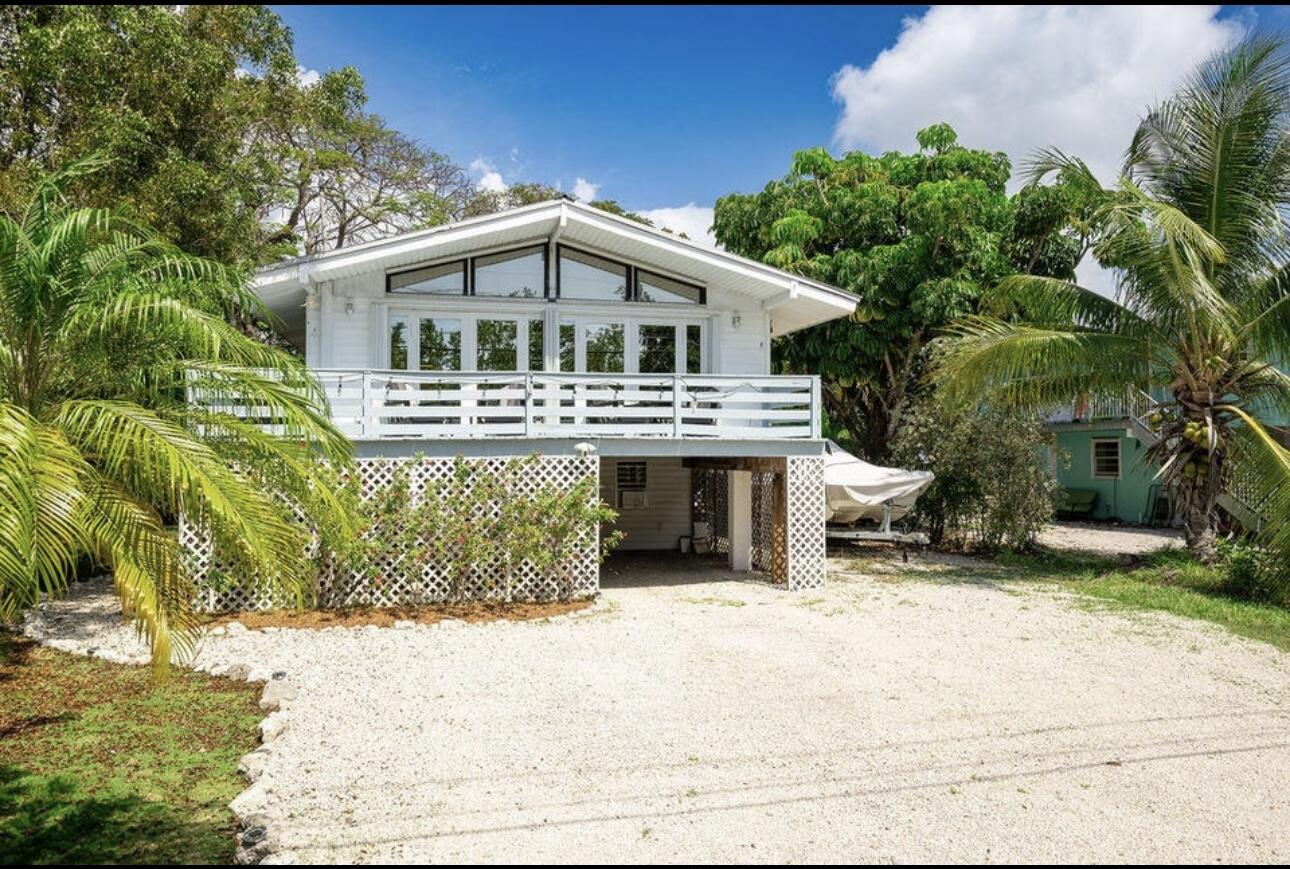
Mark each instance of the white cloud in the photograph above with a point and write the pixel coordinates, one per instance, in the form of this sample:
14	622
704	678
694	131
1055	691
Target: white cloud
692	219
307	77
584	190
1018	78
489	178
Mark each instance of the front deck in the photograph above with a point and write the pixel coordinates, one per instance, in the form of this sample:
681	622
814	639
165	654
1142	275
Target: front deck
372	405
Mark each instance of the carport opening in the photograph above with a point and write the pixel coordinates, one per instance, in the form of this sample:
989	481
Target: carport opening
694	520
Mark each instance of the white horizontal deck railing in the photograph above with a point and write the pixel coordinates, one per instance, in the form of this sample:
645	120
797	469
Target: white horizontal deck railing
378	405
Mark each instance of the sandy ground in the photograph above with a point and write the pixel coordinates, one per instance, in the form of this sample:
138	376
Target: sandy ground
1109	539
686	719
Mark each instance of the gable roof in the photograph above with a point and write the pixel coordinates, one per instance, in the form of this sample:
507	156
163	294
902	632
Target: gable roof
794	302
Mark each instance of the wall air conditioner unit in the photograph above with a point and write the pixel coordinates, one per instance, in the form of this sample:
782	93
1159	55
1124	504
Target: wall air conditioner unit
632	499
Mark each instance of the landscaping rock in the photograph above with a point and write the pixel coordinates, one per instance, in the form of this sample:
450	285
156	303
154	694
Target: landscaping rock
275	692
404	624
272	727
251	766
235	628
239	671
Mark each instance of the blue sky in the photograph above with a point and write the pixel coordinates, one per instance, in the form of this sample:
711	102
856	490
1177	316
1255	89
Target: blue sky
660	108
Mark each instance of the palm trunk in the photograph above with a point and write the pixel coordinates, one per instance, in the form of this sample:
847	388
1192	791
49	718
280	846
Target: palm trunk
1201	529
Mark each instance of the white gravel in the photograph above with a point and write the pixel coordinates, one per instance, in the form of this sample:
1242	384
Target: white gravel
695	720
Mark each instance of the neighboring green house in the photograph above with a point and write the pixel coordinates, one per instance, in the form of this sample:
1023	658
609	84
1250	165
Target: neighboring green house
1100	460
1101	448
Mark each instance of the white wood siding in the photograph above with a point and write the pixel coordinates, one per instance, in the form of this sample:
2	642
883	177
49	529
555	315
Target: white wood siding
666	519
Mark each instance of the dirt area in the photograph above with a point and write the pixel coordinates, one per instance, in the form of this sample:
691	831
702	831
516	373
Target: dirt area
385	617
689	716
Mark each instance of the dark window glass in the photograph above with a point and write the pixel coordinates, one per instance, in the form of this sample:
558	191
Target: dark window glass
693	350
515	274
537	349
448	279
583	276
568	347
605	348
399	344
656	288
497	345
1106	459
657	348
440	345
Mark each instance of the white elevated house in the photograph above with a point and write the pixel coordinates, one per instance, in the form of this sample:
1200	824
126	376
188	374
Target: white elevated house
555	326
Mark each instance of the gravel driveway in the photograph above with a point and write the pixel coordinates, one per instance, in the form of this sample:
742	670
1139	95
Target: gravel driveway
694	720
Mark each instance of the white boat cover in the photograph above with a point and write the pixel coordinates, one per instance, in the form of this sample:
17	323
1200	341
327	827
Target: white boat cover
854	489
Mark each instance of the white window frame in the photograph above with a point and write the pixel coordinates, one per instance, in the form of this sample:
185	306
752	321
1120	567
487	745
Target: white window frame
1119	459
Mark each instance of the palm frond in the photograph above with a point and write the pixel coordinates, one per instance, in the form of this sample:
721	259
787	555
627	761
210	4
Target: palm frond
1034	368
1264	467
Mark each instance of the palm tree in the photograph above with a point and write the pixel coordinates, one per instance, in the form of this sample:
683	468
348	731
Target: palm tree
1196	231
104	329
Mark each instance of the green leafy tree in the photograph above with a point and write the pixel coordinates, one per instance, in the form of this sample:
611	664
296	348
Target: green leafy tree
1196	232
914	236
172	95
104	329
216	138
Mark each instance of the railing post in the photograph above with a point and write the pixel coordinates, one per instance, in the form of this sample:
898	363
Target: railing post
365	405
816	408
528	403
676	405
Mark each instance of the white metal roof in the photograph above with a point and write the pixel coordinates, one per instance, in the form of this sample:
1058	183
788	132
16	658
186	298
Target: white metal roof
794	302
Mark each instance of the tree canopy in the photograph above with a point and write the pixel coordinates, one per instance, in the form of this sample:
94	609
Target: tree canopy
916	237
214	134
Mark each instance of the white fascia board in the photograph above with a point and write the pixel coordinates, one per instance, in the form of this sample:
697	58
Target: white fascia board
400	247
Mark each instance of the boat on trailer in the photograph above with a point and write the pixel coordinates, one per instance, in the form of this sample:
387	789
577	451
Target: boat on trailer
862	500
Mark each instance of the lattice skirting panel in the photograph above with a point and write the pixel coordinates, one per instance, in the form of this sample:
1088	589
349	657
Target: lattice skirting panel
805	515
763	521
711	497
578	575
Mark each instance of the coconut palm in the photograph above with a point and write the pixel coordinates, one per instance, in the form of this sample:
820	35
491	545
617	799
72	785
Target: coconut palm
1196	231
104	329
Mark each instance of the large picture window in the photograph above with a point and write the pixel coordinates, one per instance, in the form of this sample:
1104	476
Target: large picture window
446	279
585	276
605	348
657	348
497	345
440	344
515	274
657	288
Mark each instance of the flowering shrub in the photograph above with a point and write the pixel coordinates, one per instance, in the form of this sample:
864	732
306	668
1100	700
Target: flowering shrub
477	521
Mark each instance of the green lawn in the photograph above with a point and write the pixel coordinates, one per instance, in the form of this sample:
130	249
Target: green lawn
1172	582
98	765
1168	581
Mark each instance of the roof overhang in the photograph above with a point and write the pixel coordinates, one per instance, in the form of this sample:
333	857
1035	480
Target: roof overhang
792	301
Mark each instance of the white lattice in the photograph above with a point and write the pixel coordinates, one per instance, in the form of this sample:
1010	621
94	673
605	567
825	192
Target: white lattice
711	500
577	575
805	522
763	520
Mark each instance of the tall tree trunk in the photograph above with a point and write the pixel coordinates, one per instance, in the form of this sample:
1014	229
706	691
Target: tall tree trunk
877	431
1201	530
